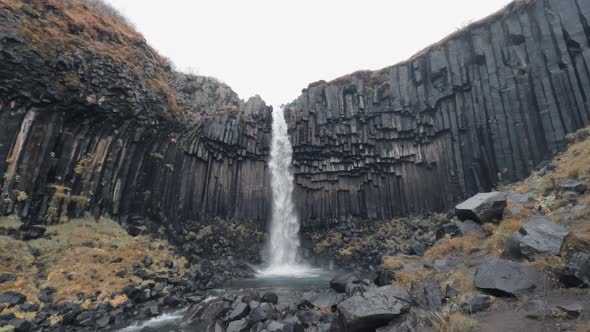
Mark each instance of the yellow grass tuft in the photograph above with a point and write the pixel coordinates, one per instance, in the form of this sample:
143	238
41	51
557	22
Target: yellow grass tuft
464	244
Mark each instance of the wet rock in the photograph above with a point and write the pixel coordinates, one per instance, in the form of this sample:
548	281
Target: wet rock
12	298
577	270
241	325
482	208
46	295
104	321
263	312
506	278
6	277
572	185
373	309
270	298
21	325
541	238
274	326
86	318
29	307
339	282
208	311
476	302
309	317
240	311
152	310
358	287
326	299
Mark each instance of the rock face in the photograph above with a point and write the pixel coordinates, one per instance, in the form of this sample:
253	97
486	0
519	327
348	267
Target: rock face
83	127
484	105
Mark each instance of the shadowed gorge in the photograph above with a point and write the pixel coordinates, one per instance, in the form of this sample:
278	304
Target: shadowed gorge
484	106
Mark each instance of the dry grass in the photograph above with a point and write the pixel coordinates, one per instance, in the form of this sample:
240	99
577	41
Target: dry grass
497	242
80	258
412	279
462	280
456	322
464	244
573	163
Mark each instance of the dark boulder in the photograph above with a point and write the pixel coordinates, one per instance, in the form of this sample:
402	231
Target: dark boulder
21	325
512	246
358	287
482	208
541	238
242	325
577	270
270	298
377	307
12	298
207	311
29	307
31	232
6	277
240	311
572	185
46	295
450	229
263	312
506	278
339	282
476	302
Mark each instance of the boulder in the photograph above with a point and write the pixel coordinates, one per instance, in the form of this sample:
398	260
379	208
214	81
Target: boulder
12	298
512	246
21	325
270	298
506	278
46	295
572	185
7	277
263	312
358	287
482	208
241	325
240	311
570	310
376	307
206	311
338	283
541	238
476	302
577	270
31	232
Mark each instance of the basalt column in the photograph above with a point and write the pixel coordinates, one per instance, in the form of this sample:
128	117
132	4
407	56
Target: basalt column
485	105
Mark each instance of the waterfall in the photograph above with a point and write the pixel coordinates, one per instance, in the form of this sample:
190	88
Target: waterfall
283	244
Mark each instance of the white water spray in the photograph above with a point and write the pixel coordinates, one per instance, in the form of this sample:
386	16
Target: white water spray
284	232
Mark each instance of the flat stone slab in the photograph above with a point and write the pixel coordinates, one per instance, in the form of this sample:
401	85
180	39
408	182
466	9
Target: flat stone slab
541	237
482	208
505	278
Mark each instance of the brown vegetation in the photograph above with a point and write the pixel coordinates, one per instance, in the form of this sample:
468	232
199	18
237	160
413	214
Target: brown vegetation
82	256
64	26
464	244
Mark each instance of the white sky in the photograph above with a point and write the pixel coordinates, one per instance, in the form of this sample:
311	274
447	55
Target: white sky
275	48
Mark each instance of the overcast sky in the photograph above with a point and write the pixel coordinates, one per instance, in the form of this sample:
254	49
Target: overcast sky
275	48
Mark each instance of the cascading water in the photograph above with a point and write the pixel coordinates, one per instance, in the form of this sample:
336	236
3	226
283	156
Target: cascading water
283	246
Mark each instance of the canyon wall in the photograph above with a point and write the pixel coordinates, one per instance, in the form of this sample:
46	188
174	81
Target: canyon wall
484	106
93	119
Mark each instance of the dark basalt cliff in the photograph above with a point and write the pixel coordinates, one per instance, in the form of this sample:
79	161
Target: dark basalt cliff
485	105
91	118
